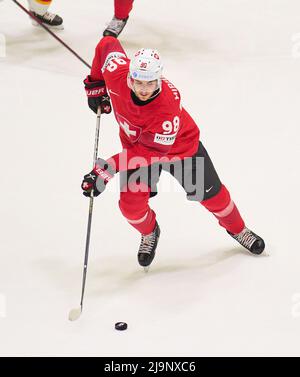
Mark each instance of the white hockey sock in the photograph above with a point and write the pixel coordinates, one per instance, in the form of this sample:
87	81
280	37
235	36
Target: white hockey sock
39	6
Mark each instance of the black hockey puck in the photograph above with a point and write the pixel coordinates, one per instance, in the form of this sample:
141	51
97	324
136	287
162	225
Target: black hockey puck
121	326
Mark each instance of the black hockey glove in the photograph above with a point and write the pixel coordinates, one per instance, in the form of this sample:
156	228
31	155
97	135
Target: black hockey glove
97	179
97	95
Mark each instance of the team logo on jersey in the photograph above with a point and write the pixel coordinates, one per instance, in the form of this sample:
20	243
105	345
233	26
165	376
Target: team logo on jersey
165	139
132	132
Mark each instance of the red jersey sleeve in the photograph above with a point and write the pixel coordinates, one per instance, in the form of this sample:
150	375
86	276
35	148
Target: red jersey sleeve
107	49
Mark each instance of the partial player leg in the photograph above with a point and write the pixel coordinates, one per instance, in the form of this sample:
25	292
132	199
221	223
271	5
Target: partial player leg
39	8
225	210
134	206
118	22
217	200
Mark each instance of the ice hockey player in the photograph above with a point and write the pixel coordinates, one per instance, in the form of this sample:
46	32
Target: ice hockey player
155	130
39	8
116	25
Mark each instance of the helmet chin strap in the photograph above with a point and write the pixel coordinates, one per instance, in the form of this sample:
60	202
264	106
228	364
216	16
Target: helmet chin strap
155	93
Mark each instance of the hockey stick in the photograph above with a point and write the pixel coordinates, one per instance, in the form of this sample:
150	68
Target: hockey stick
75	313
51	33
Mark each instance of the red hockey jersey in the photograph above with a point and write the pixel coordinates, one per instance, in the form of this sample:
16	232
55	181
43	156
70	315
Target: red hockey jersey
159	129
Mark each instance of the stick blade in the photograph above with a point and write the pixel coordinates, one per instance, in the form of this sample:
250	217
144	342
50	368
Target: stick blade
74	314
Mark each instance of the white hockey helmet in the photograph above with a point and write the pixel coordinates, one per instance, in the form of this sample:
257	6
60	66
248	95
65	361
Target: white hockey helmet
146	65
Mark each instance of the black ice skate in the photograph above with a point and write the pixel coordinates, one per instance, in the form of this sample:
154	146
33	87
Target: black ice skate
251	241
147	248
48	19
115	27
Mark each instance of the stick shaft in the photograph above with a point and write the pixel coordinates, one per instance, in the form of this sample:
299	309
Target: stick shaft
91	204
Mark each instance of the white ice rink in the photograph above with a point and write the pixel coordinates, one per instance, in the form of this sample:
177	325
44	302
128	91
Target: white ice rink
237	65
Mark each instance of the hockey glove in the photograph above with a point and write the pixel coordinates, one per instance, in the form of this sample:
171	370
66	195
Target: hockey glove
97	95
97	179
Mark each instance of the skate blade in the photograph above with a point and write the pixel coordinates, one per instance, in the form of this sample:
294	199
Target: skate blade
58	27
146	269
263	254
74	314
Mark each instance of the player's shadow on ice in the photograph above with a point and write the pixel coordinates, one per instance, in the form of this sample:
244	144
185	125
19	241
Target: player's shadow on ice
115	277
36	49
117	274
36	42
171	42
33	43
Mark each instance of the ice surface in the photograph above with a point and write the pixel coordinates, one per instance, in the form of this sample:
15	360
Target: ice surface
237	65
